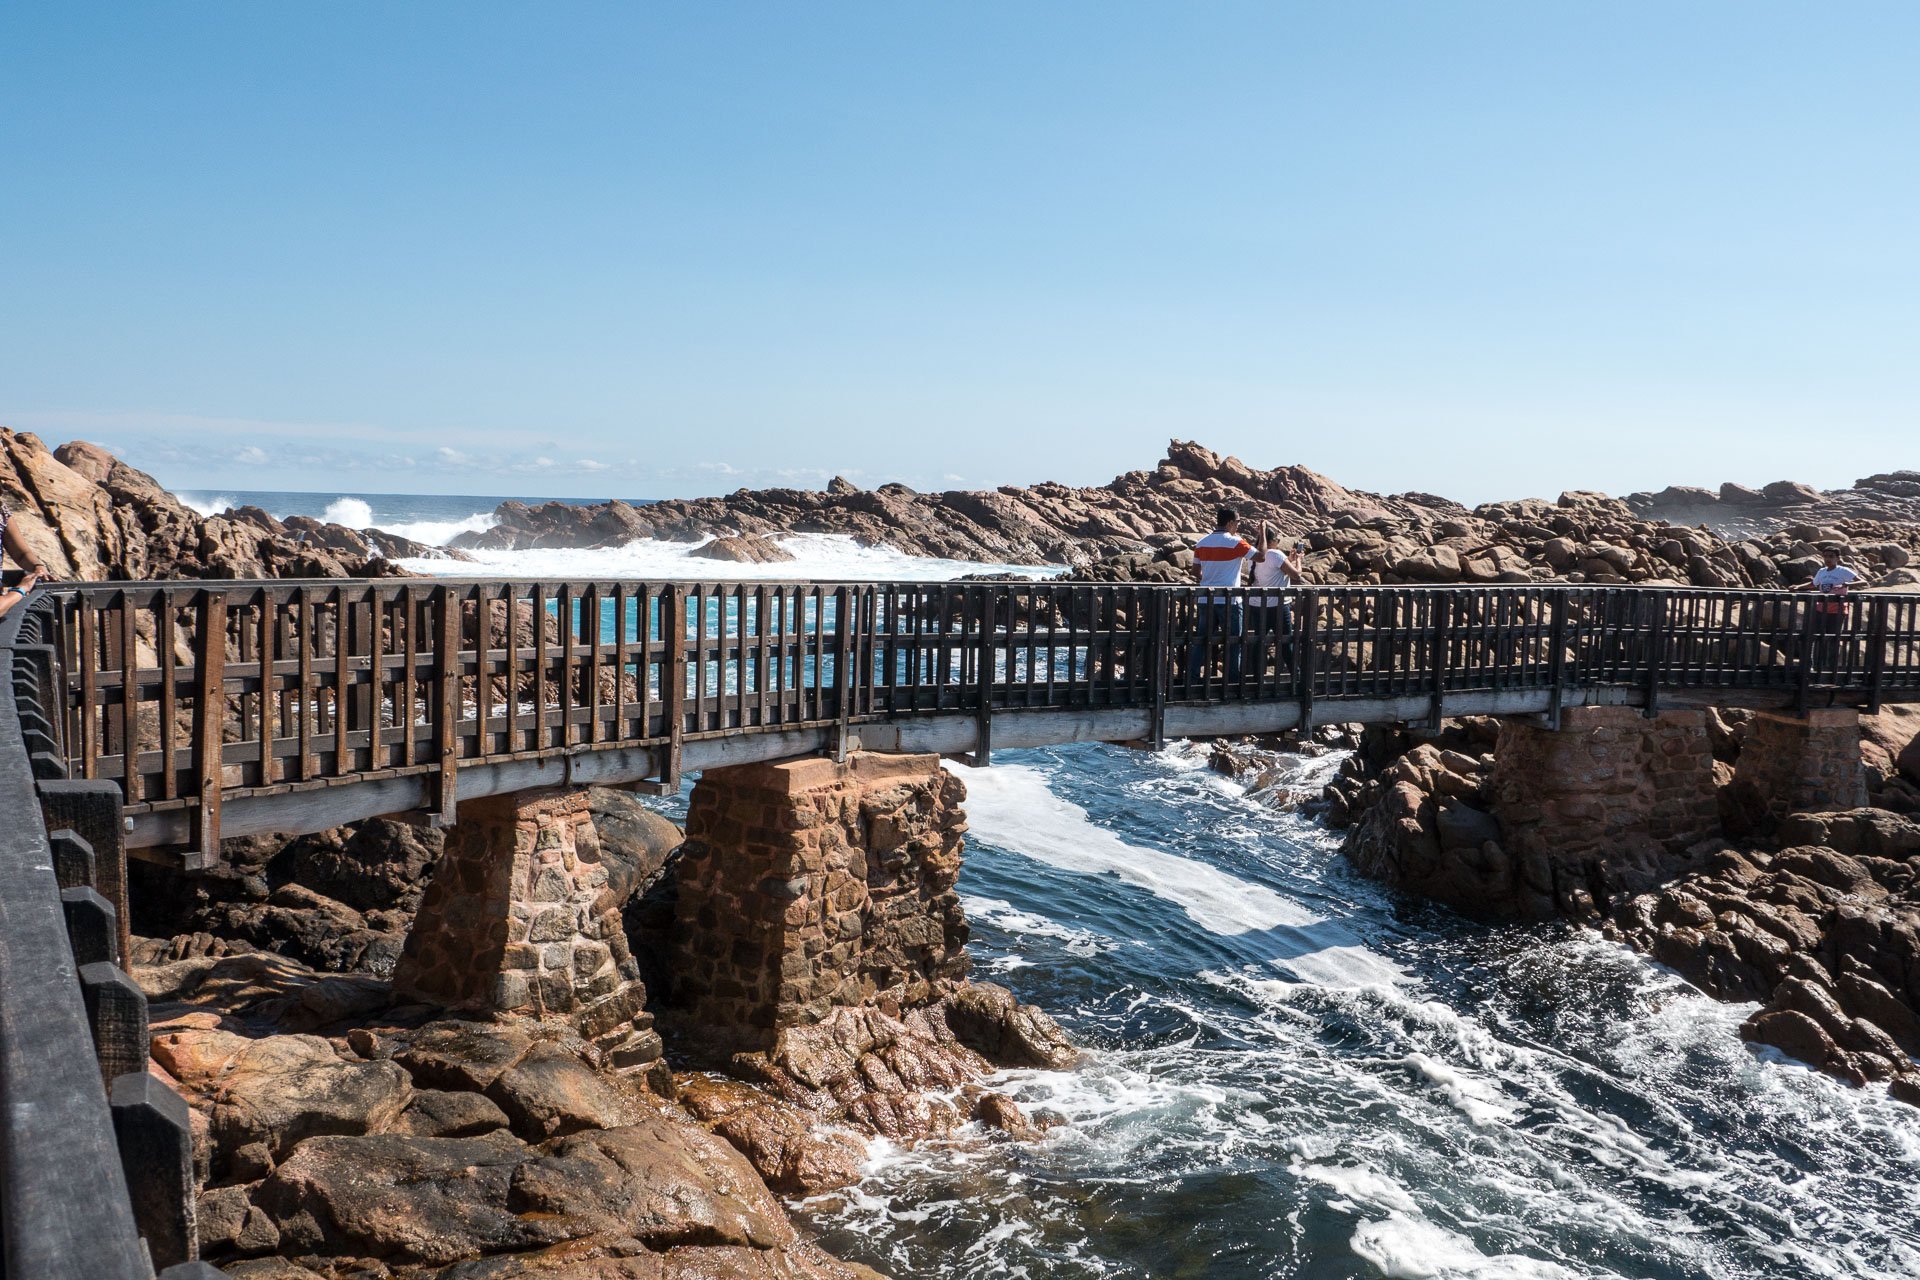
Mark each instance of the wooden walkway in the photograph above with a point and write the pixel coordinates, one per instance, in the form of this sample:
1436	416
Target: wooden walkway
242	707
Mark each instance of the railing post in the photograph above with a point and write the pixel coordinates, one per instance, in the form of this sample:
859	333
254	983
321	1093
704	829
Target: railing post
152	1128
1557	659
209	734
983	707
1656	652
1803	698
1442	628
93	810
1877	655
447	708
117	1013
673	679
93	928
843	685
1307	653
1162	663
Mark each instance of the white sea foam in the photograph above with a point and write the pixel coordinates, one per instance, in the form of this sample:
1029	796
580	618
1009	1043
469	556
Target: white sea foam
204	505
358	513
828	557
1409	1247
354	513
1011	806
1004	915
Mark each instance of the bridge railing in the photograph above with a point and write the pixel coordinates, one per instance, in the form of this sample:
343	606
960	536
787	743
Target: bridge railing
95	1154
316	680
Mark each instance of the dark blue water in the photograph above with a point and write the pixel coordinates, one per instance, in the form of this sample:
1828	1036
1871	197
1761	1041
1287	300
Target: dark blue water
1294	1073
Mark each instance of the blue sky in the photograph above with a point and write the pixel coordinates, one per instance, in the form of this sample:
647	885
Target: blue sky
1487	250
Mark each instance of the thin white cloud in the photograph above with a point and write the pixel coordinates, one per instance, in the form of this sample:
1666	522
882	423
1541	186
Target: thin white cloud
588	464
253	456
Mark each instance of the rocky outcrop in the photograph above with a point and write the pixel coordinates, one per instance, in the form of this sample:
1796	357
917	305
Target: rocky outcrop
395	1145
744	548
1040	524
1824	933
1581	538
1814	912
1890	497
92	518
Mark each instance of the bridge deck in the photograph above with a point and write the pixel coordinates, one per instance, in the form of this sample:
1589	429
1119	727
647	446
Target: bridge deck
237	708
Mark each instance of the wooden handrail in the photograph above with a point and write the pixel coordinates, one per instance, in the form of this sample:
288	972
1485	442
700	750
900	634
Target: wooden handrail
185	693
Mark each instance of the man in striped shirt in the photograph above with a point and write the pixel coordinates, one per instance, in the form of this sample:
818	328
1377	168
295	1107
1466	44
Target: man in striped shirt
1217	560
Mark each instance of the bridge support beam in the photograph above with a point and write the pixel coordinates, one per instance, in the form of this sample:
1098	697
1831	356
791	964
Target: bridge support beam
1595	806
519	919
1797	764
812	885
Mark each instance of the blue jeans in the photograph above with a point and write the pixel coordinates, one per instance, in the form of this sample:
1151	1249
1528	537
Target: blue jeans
1216	619
1270	624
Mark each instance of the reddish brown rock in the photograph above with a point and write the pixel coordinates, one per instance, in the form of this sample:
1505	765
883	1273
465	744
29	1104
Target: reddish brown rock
90	517
744	548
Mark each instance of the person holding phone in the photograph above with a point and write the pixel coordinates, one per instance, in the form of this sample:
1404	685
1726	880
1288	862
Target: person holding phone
1271	616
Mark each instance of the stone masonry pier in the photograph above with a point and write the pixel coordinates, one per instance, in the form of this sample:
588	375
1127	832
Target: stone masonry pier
1609	791
1613	801
518	919
812	885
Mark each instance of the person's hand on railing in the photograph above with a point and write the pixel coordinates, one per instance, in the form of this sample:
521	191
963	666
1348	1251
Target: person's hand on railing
15	594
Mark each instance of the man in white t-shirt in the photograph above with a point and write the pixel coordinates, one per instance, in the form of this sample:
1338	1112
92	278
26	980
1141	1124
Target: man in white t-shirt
1217	560
1269	617
1832	580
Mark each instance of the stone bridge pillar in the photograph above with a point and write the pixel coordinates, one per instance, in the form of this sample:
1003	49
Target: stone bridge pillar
1592	808
518	919
1793	764
810	885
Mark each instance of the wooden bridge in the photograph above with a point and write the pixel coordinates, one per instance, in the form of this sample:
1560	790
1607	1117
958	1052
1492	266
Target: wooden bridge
241	708
154	718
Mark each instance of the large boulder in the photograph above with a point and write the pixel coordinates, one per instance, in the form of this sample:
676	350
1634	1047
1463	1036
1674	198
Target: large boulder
637	843
438	1200
789	1147
551	1092
280	1090
988	1019
744	548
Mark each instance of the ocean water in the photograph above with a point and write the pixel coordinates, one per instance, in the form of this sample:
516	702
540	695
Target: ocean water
1291	1072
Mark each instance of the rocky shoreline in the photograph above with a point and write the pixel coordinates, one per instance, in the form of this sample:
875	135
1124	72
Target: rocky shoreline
1815	917
345	1128
1141	526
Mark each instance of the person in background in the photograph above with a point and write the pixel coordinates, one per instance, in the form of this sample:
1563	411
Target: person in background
1832	581
11	542
1217	560
1270	616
